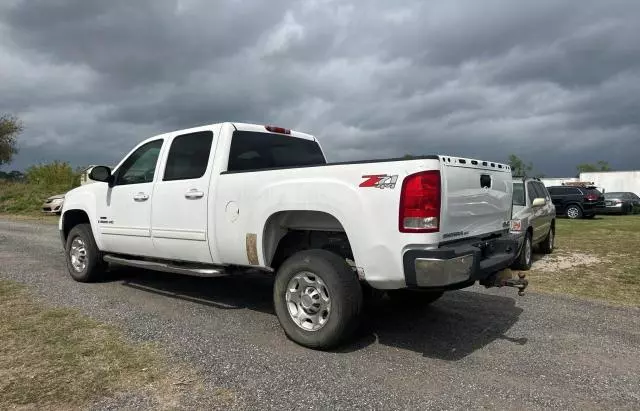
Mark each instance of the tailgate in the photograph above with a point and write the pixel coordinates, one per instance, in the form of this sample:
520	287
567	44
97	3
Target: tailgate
476	198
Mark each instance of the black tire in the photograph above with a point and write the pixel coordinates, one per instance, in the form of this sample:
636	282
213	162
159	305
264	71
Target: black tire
546	247
524	260
95	266
413	298
574	212
342	287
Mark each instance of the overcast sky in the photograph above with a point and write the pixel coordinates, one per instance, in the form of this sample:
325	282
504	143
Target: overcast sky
556	82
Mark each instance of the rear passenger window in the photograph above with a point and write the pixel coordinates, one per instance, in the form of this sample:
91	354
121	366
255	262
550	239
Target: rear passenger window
188	156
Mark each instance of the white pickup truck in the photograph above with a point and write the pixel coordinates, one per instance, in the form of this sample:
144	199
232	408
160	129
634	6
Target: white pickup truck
230	198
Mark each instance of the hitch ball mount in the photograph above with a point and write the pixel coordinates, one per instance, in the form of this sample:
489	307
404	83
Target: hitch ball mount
505	279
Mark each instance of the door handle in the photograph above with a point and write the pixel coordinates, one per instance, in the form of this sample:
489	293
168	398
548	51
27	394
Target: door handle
193	194
141	197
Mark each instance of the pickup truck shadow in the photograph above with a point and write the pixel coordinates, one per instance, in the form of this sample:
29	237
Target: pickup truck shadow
450	329
227	293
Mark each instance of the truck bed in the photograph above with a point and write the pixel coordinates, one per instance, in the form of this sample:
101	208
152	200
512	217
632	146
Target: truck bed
363	196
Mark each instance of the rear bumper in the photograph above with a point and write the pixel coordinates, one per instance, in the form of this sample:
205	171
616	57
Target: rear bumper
459	265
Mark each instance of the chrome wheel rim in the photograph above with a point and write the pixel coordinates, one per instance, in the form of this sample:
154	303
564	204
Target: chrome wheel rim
308	301
78	254
551	239
527	251
572	212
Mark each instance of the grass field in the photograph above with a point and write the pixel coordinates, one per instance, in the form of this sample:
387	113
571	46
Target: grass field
597	259
52	358
25	198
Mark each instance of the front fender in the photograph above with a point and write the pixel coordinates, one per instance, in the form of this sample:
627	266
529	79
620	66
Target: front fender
82	201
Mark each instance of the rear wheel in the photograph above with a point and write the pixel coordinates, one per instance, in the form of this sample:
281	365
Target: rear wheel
525	258
317	299
547	245
84	260
574	212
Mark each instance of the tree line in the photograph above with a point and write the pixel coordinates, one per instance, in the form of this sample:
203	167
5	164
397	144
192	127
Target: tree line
55	173
519	167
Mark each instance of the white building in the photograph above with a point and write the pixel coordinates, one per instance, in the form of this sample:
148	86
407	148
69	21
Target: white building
84	177
609	181
613	181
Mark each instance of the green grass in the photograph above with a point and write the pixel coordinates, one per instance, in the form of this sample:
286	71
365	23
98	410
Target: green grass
53	358
26	198
597	259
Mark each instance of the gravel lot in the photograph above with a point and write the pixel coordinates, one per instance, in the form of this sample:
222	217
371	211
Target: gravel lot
472	349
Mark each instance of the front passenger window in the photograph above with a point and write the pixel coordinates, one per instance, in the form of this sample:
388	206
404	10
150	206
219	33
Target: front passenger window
140	166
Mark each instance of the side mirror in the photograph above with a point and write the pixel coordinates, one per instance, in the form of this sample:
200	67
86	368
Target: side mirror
538	202
101	173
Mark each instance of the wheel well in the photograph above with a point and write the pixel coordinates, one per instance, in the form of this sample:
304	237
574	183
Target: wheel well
288	232
71	219
574	204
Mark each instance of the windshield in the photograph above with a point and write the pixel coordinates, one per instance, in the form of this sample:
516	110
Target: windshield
613	195
518	194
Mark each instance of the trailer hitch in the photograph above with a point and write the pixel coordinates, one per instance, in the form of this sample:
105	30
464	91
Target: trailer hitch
504	278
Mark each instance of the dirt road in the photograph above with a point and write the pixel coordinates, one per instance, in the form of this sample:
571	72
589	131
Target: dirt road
472	349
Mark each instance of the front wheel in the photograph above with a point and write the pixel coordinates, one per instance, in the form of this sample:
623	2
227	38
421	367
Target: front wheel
317	299
84	260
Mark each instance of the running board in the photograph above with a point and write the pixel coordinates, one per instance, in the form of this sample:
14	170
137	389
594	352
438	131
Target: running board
166	267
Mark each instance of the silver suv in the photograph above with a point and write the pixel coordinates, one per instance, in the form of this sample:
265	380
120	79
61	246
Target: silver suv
534	218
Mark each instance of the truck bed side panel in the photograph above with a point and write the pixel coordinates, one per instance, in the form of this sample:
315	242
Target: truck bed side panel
368	213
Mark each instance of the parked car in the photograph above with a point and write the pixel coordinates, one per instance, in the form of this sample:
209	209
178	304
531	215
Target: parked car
533	218
621	203
232	198
53	204
577	202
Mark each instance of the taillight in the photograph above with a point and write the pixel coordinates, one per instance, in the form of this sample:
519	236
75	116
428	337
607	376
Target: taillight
420	203
591	197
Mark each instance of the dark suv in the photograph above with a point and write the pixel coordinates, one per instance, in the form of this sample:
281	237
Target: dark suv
577	202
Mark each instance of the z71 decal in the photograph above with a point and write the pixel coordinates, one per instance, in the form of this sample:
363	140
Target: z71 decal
379	181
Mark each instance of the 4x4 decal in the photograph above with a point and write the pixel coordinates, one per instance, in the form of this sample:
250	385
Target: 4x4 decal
380	181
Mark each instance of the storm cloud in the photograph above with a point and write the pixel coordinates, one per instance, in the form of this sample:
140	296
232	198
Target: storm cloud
557	83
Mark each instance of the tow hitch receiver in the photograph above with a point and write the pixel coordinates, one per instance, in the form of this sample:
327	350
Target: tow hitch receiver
505	278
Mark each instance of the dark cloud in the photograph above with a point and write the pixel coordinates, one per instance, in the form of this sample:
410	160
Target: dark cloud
555	82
